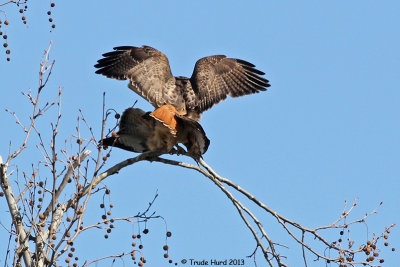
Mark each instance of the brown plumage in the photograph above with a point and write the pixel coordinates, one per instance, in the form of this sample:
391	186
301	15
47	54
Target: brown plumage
140	131
213	79
167	115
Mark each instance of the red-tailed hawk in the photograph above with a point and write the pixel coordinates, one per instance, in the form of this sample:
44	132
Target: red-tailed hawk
213	79
139	132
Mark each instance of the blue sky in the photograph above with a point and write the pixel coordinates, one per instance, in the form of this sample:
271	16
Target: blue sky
326	131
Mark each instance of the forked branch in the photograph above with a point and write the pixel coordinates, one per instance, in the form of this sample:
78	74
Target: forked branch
271	254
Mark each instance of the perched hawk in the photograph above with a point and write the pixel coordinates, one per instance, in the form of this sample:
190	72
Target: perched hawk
213	79
139	132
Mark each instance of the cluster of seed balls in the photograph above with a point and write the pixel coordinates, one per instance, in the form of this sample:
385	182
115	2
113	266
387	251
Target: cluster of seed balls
78	211
54	237
370	249
41	196
142	259
23	18
107	213
49	14
22	11
71	253
5	37
145	231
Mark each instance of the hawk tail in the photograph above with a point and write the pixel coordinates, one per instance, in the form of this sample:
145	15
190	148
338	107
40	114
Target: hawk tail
109	141
126	143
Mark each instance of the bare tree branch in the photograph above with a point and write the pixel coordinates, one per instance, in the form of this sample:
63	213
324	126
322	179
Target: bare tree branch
50	228
44	67
15	214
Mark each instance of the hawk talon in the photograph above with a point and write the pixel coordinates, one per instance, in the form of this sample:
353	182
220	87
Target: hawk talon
180	150
173	151
177	151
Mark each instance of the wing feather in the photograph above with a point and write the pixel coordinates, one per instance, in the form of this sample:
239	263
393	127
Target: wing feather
216	77
147	69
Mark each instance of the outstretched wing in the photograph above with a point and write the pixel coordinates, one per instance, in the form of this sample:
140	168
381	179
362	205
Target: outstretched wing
147	69
215	77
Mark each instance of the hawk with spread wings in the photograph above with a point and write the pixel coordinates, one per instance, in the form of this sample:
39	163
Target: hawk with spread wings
213	79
